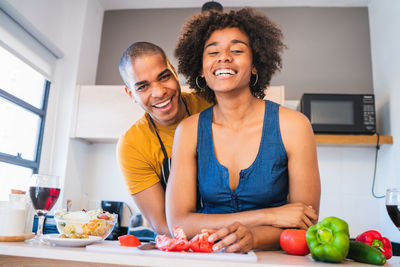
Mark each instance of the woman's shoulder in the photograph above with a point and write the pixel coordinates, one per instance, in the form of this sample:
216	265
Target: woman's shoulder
295	129
292	119
189	124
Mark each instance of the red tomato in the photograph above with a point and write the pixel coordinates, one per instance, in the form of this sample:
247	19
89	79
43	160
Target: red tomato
166	243
200	243
129	241
179	233
104	217
294	242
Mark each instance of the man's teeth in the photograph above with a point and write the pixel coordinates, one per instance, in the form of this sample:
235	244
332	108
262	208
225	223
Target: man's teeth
224	72
163	104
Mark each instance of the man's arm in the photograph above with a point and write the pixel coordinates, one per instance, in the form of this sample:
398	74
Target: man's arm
151	203
143	184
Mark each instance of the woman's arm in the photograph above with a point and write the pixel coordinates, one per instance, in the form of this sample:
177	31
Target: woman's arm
299	141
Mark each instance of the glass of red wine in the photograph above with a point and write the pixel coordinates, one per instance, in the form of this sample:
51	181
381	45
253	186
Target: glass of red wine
43	191
393	205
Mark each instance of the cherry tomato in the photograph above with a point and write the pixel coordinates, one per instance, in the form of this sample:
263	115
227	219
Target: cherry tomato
200	243
104	217
293	241
129	241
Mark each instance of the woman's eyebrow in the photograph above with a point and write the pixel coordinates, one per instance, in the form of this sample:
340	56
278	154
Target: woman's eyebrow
234	41
239	42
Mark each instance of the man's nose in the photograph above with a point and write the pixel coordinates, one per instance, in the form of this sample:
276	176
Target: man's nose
157	90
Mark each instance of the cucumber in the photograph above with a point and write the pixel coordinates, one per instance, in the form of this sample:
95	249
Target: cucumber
361	252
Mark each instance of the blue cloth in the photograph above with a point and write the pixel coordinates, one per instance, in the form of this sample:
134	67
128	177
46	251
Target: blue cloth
262	185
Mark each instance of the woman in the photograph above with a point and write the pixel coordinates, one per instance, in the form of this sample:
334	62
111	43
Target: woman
254	161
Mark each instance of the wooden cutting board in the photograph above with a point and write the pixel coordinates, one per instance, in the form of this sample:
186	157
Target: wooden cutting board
17	238
113	246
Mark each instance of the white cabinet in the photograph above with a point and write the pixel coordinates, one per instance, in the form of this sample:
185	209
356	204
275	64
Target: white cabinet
103	113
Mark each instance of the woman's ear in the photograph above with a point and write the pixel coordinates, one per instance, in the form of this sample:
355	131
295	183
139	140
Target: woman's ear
253	70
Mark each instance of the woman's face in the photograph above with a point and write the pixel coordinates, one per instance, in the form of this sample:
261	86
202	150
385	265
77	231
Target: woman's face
227	60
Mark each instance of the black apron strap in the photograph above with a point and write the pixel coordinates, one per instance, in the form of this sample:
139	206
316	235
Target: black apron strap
166	165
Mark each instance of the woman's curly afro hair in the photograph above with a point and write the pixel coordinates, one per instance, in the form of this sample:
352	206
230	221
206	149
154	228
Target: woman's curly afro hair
265	42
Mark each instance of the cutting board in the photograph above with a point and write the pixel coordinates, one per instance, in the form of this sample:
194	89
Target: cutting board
114	247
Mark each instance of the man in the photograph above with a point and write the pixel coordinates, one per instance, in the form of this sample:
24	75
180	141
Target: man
144	150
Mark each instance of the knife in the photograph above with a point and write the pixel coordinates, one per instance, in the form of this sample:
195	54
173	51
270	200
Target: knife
148	246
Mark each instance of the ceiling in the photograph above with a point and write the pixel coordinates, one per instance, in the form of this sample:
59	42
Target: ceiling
145	4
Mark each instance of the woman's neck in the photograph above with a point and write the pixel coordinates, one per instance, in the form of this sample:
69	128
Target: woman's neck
237	111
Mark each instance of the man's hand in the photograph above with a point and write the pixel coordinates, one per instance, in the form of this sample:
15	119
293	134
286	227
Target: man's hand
151	203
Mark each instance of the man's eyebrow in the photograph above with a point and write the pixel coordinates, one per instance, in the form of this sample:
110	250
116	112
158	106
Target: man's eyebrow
140	83
163	72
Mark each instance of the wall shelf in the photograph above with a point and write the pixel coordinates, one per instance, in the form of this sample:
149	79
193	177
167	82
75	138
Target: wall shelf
358	140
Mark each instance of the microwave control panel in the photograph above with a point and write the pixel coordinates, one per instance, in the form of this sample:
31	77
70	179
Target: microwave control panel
369	112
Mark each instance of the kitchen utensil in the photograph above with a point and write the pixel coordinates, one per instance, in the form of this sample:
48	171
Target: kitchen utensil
147	246
54	239
114	247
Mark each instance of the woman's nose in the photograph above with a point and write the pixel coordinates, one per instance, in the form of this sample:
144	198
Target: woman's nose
225	56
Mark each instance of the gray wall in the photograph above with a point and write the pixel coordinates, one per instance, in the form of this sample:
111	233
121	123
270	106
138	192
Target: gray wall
328	48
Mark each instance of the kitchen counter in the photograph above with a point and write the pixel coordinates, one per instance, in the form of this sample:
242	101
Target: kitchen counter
21	254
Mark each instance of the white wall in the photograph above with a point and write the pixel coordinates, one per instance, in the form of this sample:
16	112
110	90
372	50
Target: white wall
72	27
90	170
385	42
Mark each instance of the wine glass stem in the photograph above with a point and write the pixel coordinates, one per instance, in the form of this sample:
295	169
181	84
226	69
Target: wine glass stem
39	231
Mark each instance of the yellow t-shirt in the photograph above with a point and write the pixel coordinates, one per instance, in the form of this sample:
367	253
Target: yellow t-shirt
139	152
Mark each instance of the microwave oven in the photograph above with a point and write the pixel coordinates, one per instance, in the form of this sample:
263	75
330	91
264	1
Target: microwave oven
340	113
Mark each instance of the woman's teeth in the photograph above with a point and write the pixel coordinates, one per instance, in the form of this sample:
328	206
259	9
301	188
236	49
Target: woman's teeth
163	104
224	72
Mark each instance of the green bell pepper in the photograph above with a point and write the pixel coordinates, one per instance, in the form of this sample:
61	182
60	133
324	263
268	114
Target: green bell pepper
328	240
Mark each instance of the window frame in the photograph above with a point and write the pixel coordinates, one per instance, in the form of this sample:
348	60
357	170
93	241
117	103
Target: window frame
17	159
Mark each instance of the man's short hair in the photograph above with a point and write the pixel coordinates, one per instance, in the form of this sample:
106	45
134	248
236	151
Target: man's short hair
136	50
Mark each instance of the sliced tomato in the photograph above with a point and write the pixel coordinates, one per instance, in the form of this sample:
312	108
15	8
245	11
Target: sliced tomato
179	233
104	217
200	243
129	241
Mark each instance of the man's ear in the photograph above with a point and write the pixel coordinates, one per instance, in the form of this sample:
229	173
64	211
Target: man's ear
128	92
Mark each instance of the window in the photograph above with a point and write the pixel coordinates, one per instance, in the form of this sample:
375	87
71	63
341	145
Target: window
23	102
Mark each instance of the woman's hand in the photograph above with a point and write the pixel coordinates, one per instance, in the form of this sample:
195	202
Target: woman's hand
234	238
294	215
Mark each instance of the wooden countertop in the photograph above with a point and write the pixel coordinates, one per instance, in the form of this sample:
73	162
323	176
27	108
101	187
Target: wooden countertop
21	254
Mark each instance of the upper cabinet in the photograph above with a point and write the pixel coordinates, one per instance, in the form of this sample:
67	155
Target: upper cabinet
103	113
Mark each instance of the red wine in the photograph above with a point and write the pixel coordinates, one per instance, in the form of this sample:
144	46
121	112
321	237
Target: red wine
43	198
394	213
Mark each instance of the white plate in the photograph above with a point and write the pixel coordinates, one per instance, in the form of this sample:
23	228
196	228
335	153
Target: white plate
71	242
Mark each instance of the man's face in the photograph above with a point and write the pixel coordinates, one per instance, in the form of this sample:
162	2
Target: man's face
154	86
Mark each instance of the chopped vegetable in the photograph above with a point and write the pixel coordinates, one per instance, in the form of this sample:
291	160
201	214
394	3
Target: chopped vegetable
200	243
129	241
